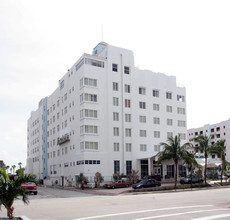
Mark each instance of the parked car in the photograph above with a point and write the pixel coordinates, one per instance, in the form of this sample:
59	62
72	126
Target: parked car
197	178
224	177
118	184
146	184
155	177
31	187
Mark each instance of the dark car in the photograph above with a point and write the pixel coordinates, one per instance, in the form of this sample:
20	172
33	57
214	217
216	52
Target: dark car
146	184
155	177
197	178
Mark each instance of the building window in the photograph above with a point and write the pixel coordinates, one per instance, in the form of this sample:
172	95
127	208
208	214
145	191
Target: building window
115	116
116	166
128	147
92	62
168	95
142	105
180	98
114	67
65	97
115	101
169	122
157	148
126	69
88	129
181	123
91	145
182	136
156	107
88	113
143	133
181	111
127	117
169	108
156	121
115	86
128	167
156	134
128	132
115	147
127	103
116	131
169	134
142	91
127	88
155	93
62	84
142	119
143	147
88	97
88	82
182	171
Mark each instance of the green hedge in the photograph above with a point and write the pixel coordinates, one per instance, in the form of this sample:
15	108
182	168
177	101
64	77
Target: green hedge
163	188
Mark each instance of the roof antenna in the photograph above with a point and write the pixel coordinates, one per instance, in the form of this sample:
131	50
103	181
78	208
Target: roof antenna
102	32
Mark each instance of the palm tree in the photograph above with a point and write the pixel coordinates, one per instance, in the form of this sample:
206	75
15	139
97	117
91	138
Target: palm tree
13	167
190	160
20	165
173	150
7	168
219	148
10	190
204	146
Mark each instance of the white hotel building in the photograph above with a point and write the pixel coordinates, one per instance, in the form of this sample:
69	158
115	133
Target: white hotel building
106	115
216	132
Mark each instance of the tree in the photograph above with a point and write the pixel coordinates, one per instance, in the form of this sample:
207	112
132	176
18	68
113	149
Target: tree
133	176
13	167
20	165
219	148
10	190
2	164
204	146
7	168
190	160
20	171
98	179
82	178
173	150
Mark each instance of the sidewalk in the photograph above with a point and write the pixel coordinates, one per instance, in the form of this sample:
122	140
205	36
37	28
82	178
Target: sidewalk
125	191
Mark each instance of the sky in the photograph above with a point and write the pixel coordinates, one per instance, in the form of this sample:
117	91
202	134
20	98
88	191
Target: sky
40	40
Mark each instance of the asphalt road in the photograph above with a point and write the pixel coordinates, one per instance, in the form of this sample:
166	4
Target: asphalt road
46	192
196	205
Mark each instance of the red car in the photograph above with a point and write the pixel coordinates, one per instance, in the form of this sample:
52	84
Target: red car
31	187
118	184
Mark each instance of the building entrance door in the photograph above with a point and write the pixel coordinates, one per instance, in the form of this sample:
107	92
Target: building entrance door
157	170
144	168
62	181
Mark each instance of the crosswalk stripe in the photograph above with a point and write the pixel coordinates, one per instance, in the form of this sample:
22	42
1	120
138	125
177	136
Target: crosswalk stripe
180	213
212	217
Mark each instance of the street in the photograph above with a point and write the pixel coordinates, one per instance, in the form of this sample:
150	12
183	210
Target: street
53	204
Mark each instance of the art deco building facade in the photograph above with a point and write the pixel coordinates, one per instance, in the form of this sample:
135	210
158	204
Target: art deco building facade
216	132
106	115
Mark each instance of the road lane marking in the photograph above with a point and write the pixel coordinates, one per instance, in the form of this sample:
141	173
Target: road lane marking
212	217
142	211
180	213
